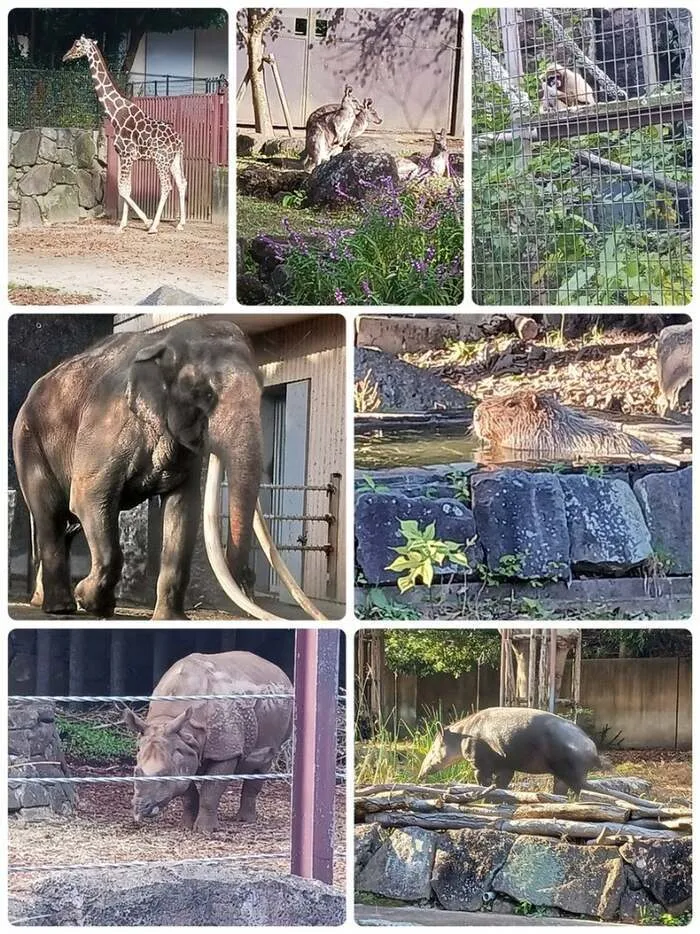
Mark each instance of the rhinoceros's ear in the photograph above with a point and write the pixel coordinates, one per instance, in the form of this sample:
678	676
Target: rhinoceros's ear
179	721
133	721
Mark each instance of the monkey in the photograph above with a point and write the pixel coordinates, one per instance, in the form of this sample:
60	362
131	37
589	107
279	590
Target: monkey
563	89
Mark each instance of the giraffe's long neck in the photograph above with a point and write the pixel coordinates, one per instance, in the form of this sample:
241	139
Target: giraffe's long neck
108	94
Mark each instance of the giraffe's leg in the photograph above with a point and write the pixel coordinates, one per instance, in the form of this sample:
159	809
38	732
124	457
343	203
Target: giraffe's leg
166	186
181	182
124	188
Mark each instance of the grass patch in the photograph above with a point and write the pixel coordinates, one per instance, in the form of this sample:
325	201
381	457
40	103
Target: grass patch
387	759
255	216
87	737
45	295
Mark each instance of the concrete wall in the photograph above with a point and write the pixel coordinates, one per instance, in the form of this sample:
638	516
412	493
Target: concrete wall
55	176
648	700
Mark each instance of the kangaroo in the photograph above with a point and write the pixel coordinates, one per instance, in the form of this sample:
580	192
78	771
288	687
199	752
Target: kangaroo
319	145
438	162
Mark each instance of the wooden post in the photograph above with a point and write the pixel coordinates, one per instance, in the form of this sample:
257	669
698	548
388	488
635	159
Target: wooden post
501	672
576	677
272	62
532	670
117	659
314	765
646	46
160	655
44	662
552	670
76	664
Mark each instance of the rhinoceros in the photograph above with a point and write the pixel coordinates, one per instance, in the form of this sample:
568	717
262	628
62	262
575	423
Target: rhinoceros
210	737
499	741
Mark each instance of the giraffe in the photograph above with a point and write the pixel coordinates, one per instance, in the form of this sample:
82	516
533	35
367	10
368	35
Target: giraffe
136	136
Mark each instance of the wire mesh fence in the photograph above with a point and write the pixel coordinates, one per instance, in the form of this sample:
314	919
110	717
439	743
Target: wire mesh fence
582	170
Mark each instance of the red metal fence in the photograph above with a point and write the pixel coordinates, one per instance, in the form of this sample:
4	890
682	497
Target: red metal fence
202	121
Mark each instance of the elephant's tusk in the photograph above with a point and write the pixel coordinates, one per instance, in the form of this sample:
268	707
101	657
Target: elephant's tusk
262	533
215	551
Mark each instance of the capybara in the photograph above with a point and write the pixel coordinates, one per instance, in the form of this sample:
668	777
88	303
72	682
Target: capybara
537	423
499	741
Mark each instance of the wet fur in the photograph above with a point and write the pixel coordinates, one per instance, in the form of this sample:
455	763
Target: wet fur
537	423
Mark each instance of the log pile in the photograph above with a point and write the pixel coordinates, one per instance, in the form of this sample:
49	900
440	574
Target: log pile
599	817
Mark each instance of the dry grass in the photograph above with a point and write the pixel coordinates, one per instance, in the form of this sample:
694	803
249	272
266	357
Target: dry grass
103	832
32	295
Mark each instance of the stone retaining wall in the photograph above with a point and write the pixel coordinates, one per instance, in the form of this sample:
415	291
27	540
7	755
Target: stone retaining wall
530	525
476	870
55	175
34	750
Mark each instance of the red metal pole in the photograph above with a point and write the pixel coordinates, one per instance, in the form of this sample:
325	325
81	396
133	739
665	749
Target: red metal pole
313	769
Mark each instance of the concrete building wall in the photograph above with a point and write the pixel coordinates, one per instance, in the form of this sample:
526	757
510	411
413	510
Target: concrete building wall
647	699
315	350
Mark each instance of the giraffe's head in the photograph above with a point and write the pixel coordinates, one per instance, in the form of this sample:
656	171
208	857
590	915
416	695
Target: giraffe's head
80	47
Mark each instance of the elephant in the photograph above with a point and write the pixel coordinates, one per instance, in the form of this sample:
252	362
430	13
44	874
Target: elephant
133	418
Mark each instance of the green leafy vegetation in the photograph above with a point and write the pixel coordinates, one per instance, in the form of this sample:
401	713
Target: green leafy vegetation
407	249
422	551
425	652
88	738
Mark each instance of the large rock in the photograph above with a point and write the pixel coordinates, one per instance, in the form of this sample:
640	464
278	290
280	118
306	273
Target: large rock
465	864
85	150
135	582
352	177
666	499
37	181
168	295
63	176
521	522
378	532
607	531
29	213
265	181
193	895
26	148
88	195
60	205
368	839
402	867
403	387
664	867
582	880
47	148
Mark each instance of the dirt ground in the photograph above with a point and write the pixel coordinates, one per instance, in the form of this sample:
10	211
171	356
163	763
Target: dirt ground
103	831
94	259
613	370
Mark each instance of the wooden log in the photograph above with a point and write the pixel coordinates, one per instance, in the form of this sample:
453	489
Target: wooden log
681	824
587	795
464	792
525	327
570	830
573	811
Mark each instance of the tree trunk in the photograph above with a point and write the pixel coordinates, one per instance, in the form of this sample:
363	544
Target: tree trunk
261	108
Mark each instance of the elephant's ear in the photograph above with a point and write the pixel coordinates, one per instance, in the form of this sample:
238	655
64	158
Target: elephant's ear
151	373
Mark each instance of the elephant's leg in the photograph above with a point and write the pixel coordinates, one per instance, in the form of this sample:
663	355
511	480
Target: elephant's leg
190	807
181	510
249	794
52	589
100	522
210	795
49	510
